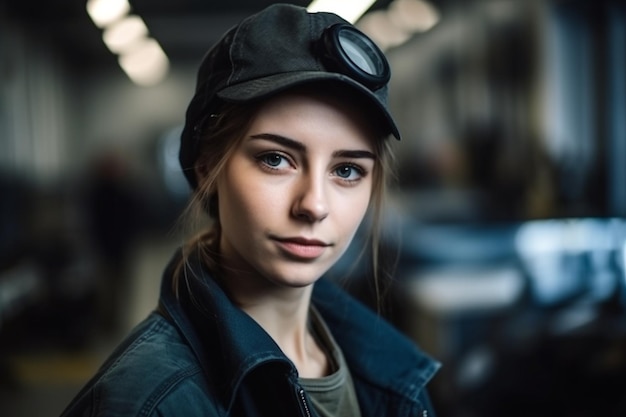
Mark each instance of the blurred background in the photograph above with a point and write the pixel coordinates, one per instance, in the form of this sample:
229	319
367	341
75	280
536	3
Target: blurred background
506	225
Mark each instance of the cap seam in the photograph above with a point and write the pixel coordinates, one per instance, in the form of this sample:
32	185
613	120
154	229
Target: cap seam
235	45
313	39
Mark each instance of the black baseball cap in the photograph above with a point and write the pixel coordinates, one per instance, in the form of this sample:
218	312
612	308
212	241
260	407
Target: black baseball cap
281	47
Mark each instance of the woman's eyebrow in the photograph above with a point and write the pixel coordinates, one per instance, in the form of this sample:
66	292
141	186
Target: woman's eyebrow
354	154
281	140
299	146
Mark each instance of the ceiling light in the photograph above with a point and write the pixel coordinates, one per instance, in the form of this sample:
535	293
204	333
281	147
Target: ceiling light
122	35
146	64
377	26
350	10
105	12
413	15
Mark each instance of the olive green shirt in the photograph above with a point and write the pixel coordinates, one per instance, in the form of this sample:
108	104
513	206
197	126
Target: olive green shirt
332	395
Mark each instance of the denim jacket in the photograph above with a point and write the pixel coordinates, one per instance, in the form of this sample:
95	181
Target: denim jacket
200	355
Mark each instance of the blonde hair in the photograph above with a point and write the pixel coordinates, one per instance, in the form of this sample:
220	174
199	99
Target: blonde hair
222	136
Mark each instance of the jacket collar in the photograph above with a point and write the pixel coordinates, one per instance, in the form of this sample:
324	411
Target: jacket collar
374	350
229	344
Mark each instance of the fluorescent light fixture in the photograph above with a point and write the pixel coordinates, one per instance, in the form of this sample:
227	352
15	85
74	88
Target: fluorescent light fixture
413	15
124	34
105	12
146	64
350	10
379	28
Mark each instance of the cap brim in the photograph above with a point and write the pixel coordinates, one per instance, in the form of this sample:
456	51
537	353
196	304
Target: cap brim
264	87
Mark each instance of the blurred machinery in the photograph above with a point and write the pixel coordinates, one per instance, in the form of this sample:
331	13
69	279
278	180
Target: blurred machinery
527	318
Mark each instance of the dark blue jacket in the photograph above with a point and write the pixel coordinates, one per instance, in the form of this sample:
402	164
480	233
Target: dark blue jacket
200	355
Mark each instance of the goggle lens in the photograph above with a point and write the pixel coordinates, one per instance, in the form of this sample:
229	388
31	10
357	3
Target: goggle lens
357	52
352	53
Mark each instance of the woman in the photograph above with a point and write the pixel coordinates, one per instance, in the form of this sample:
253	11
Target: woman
285	147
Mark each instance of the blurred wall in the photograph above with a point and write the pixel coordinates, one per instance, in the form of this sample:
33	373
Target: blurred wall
513	110
54	116
118	113
37	106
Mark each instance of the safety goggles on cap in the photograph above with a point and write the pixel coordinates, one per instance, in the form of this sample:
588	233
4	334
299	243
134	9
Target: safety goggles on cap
349	51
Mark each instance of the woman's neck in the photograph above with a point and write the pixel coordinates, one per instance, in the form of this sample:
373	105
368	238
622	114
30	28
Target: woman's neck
284	314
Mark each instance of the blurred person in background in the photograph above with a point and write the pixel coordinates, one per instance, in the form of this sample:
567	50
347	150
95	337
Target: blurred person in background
286	146
114	218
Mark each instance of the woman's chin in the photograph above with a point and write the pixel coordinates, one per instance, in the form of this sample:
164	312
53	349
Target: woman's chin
296	276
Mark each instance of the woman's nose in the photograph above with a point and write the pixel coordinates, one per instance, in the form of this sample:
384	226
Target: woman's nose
311	202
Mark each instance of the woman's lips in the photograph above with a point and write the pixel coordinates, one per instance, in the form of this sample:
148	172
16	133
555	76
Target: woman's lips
302	248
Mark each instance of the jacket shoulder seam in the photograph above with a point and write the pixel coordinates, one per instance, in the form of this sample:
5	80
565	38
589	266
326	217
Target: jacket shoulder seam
161	391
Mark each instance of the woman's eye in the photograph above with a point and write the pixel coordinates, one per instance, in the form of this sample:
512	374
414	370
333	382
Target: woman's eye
274	160
349	172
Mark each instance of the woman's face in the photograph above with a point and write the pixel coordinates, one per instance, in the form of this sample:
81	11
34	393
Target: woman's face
295	191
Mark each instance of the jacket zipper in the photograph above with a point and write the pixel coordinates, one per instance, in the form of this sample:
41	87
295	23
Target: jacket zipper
305	405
